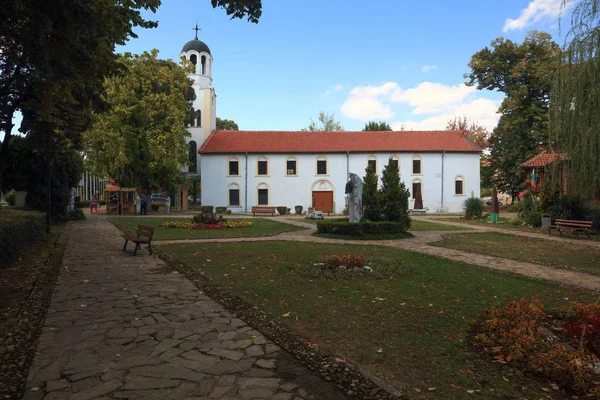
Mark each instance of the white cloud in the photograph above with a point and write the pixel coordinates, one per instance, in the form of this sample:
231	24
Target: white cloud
535	12
427	68
336	88
441	102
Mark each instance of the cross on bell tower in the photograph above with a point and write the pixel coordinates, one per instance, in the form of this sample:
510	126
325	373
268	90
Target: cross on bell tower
196	29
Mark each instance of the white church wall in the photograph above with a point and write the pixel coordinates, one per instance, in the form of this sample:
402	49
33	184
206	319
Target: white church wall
290	191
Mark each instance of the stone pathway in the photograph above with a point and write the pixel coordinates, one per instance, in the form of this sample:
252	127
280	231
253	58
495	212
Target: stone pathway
123	327
421	243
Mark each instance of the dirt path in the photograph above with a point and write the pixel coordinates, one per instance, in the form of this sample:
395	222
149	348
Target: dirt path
421	243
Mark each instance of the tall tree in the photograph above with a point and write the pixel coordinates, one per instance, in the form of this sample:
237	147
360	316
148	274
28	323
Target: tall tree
576	100
140	140
226	125
373	126
524	73
394	195
472	130
371	196
326	123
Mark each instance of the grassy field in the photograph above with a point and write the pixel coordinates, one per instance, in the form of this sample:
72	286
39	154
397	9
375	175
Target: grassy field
408	322
527	249
260	227
417	225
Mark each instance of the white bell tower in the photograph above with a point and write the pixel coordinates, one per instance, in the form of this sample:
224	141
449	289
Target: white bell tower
205	104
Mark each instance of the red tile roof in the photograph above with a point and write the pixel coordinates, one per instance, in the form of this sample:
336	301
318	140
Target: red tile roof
336	142
542	159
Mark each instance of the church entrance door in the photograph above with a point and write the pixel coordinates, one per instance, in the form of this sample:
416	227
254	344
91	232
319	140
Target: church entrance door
323	201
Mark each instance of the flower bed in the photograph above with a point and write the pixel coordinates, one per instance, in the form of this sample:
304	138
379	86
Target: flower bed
348	260
218	225
563	348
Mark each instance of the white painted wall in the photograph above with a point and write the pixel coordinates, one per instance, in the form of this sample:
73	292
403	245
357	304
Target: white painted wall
297	190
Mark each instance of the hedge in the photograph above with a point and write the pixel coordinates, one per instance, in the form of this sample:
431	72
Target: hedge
206	209
16	233
221	210
361	228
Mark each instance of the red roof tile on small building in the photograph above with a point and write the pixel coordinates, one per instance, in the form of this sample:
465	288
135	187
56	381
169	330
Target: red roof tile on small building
228	142
542	159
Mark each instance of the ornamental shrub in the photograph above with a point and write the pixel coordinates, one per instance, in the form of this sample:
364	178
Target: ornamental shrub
206	209
527	205
16	233
534	218
221	210
371	197
10	199
394	196
361	228
570	207
208	218
473	207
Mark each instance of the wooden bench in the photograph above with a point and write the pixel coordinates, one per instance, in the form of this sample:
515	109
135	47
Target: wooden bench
263	210
144	236
572	226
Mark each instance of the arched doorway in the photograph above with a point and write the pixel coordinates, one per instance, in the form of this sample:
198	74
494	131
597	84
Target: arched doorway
322	196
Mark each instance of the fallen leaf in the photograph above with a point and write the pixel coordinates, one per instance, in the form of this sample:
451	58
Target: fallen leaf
380	350
470	391
379	298
482	291
553	385
431	389
466	371
456	386
431	305
85	280
340	361
35	388
287	314
402	304
417	390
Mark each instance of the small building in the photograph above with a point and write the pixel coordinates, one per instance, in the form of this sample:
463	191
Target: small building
539	166
241	169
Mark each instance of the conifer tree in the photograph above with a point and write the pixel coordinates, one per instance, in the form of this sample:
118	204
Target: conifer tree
371	203
394	195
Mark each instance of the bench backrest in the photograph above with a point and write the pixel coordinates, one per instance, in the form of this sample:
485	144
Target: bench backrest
263	208
145	231
573	223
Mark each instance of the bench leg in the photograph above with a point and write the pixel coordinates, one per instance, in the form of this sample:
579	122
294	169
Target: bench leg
559	231
150	248
137	246
125	246
549	231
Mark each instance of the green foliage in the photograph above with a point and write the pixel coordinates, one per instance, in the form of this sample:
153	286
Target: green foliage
394	196
283	210
371	197
473	207
221	210
226	125
471	130
325	123
485	192
373	126
17	233
526	206
208	218
10	199
550	192
75	215
570	207
250	9
361	228
140	140
533	218
523	72
206	209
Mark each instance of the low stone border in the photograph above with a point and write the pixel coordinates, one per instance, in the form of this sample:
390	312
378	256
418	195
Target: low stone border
352	380
16	354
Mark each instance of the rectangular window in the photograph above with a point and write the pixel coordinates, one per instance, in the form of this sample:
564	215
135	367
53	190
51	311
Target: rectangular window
373	163
394	163
234	197
415	186
263	197
322	167
291	167
416	166
458	187
234	168
262	167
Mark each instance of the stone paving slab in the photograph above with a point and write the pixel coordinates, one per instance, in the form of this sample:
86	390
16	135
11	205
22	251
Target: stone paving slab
124	327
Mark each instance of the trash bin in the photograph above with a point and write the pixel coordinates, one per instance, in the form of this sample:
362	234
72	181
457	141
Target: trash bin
546	221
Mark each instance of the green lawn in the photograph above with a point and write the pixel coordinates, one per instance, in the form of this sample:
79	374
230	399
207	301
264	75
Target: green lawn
527	249
417	309
260	227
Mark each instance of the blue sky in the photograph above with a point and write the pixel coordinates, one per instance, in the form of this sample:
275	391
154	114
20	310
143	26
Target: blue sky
398	61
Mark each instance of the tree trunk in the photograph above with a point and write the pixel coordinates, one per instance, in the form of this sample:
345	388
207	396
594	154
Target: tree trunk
8	127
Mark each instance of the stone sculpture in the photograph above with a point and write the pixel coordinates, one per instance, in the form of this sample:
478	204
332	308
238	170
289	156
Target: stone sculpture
354	189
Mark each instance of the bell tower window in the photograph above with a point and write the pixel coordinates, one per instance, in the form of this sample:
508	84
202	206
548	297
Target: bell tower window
203	65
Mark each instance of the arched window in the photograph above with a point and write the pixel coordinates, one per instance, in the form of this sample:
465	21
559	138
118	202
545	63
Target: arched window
262	166
198	118
234	166
417	168
194	59
321	165
263	194
193	158
459	185
372	162
394	160
203	65
291	166
234	195
416	186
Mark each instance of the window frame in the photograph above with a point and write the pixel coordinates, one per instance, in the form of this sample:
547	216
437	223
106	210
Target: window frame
291	158
233	158
258	160
231	187
459	178
416	157
322	158
263	186
372	158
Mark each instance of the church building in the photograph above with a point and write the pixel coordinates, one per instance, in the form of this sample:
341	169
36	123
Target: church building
241	169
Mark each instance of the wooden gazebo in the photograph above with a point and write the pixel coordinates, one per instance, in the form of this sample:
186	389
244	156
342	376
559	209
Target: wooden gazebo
119	201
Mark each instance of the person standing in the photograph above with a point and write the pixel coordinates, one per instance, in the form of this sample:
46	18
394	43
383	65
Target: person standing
94	203
143	205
